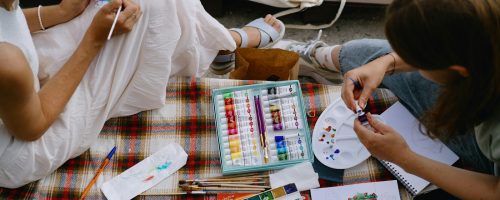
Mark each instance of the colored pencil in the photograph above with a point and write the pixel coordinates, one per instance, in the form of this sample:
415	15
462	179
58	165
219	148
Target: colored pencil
99	171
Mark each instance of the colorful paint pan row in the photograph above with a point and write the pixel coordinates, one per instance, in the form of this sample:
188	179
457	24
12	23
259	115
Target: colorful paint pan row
282	114
240	131
287	192
234	140
289	147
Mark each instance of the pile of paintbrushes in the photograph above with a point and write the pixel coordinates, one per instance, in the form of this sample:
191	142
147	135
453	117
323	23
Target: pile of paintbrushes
245	183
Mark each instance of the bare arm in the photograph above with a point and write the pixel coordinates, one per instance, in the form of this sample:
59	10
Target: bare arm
54	14
459	182
387	144
27	114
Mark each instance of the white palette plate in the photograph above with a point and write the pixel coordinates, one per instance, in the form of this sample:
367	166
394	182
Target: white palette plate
334	142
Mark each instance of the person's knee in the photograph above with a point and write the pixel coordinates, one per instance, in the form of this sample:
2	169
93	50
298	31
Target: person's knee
356	53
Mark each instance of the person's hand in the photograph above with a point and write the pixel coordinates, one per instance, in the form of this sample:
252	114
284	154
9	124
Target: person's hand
384	142
103	20
72	8
369	77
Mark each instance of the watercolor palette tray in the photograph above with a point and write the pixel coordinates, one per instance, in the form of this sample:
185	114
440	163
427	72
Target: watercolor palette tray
286	192
334	142
261	127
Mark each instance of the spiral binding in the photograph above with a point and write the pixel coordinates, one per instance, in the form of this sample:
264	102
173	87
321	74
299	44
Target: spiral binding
401	179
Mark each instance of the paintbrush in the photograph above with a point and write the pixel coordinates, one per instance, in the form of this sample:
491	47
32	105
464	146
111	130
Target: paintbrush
232	185
262	127
227	182
197	188
222	179
114	22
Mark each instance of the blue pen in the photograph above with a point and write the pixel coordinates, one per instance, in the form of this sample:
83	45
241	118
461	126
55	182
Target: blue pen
356	84
99	171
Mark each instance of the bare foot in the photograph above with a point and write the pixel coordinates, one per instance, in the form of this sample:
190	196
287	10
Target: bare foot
254	33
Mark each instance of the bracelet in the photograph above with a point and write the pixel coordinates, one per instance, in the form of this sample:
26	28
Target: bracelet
40	18
391	72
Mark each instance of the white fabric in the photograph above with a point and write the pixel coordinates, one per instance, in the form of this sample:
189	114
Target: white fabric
172	38
14	30
290	3
303	175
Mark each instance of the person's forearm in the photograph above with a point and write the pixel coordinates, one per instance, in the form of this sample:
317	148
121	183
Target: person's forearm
458	182
50	16
56	93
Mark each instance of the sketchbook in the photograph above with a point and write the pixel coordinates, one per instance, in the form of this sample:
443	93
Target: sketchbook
399	118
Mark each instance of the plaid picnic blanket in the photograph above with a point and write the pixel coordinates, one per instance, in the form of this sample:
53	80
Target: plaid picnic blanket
187	119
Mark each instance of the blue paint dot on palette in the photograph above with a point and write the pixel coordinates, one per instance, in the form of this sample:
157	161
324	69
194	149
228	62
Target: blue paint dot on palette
337	151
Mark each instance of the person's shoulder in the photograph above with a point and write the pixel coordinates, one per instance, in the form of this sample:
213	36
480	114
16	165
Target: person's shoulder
15	71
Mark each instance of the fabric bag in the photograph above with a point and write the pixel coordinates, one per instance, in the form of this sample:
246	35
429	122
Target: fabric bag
298	6
265	64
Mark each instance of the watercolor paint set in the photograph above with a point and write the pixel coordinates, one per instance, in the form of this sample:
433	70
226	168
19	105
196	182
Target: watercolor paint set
286	192
261	127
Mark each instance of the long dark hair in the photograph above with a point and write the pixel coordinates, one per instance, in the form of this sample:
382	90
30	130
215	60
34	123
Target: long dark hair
437	34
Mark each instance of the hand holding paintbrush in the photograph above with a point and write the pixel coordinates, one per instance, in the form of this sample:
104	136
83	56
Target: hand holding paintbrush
114	18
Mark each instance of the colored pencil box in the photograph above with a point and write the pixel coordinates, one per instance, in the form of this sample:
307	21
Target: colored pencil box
261	127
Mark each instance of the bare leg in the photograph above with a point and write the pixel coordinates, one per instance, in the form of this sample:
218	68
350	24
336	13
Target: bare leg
253	33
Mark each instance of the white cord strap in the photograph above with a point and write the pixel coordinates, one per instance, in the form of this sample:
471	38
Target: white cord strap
310	26
40	18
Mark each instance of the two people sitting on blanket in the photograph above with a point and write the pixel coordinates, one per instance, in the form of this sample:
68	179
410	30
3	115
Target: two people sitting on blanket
62	81
455	45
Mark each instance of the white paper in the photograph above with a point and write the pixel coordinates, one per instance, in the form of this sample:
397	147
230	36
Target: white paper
302	175
385	190
146	173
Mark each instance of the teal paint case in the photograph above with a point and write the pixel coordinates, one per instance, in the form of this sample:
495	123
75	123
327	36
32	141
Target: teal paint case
261	127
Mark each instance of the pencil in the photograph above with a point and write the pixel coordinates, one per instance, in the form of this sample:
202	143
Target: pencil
99	171
114	22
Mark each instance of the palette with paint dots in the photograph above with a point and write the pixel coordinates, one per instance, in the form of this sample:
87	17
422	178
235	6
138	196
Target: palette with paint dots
334	142
261	127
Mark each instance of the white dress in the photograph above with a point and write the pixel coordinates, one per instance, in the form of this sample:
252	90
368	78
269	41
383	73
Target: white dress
129	75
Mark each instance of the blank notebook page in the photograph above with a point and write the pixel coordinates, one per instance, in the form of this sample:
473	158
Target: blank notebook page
399	118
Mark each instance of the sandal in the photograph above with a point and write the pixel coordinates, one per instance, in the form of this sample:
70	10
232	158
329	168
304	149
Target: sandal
268	37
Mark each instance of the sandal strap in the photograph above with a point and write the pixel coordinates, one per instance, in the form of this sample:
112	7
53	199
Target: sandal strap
243	35
224	58
269	31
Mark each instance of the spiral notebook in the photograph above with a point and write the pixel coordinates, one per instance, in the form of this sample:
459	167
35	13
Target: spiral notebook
399	118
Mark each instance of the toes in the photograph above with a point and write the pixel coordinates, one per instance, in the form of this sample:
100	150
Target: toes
277	26
268	18
271	20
